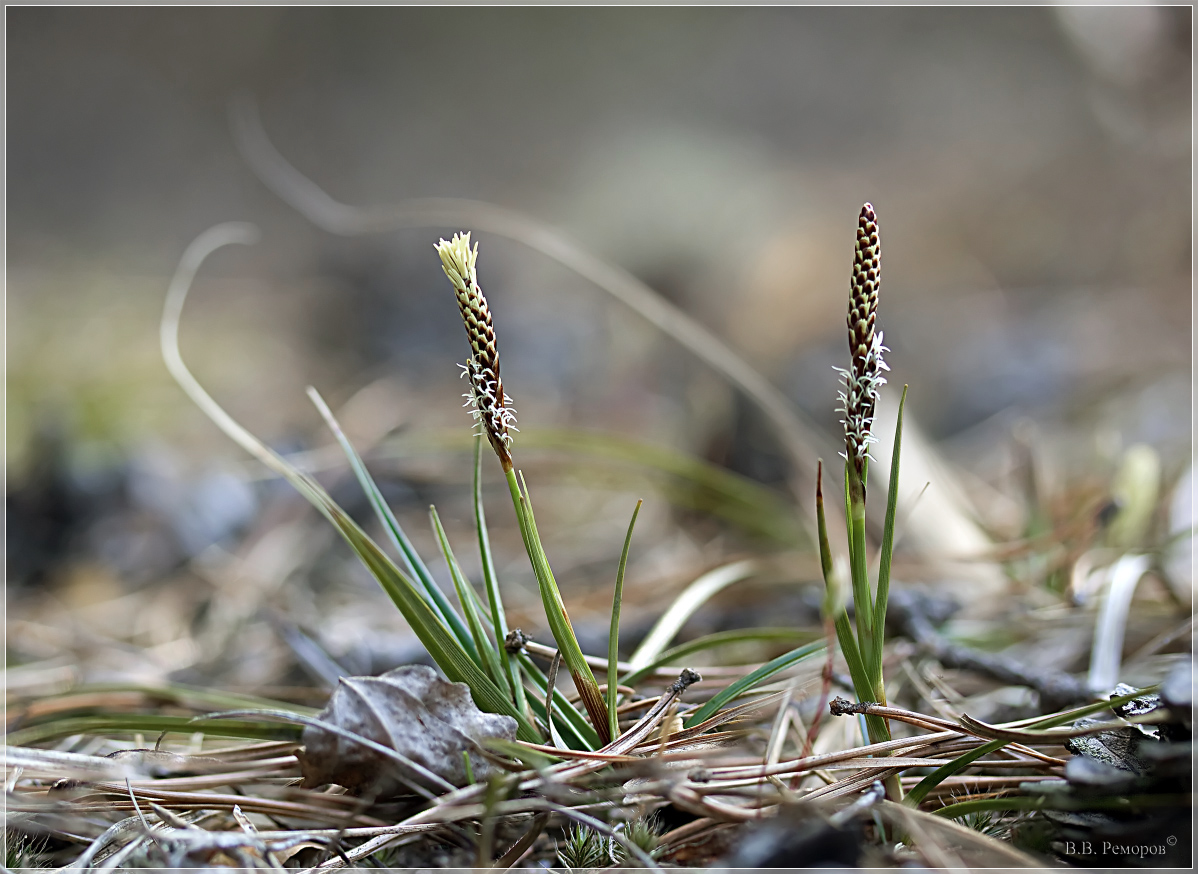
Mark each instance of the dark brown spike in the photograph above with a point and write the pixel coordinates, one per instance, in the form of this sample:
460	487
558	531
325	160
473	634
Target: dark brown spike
864	284
863	377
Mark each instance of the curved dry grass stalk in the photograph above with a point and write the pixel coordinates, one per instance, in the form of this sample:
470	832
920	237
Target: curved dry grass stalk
227	234
262	774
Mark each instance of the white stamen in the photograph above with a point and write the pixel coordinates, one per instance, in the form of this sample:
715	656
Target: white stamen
859	394
483	402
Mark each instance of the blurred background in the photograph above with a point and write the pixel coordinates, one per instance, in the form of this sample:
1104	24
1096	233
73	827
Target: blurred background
1031	169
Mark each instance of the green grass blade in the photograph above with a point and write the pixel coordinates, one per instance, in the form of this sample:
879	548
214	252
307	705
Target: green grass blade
534	760
149	724
750	682
1126	804
855	524
883	593
844	634
930	782
577	731
449	655
395	532
446	649
555	611
963	761
583	735
878	729
613	637
848	648
491	581
484	646
844	631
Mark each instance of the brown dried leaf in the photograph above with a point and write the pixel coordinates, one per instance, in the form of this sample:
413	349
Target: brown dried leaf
411	710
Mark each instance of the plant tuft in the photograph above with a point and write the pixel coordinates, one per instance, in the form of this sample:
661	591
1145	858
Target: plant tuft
584	848
644	832
858	402
487	401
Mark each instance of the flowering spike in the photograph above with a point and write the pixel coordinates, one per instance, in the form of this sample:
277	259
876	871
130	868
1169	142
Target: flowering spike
485	399
860	396
864	284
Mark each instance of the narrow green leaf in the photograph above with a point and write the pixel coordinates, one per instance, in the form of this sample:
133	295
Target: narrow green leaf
555	611
448	651
395	532
862	684
467	768
613	637
878	729
963	761
441	645
491	581
1124	803
561	706
883	593
534	760
930	782
148	724
753	680
576	729
469	604
551	683
855	524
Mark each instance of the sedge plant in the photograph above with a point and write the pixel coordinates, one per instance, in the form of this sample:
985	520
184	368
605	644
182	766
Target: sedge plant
461	648
496	420
862	643
470	642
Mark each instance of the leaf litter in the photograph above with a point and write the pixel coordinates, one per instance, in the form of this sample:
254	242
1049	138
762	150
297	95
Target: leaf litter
411	710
